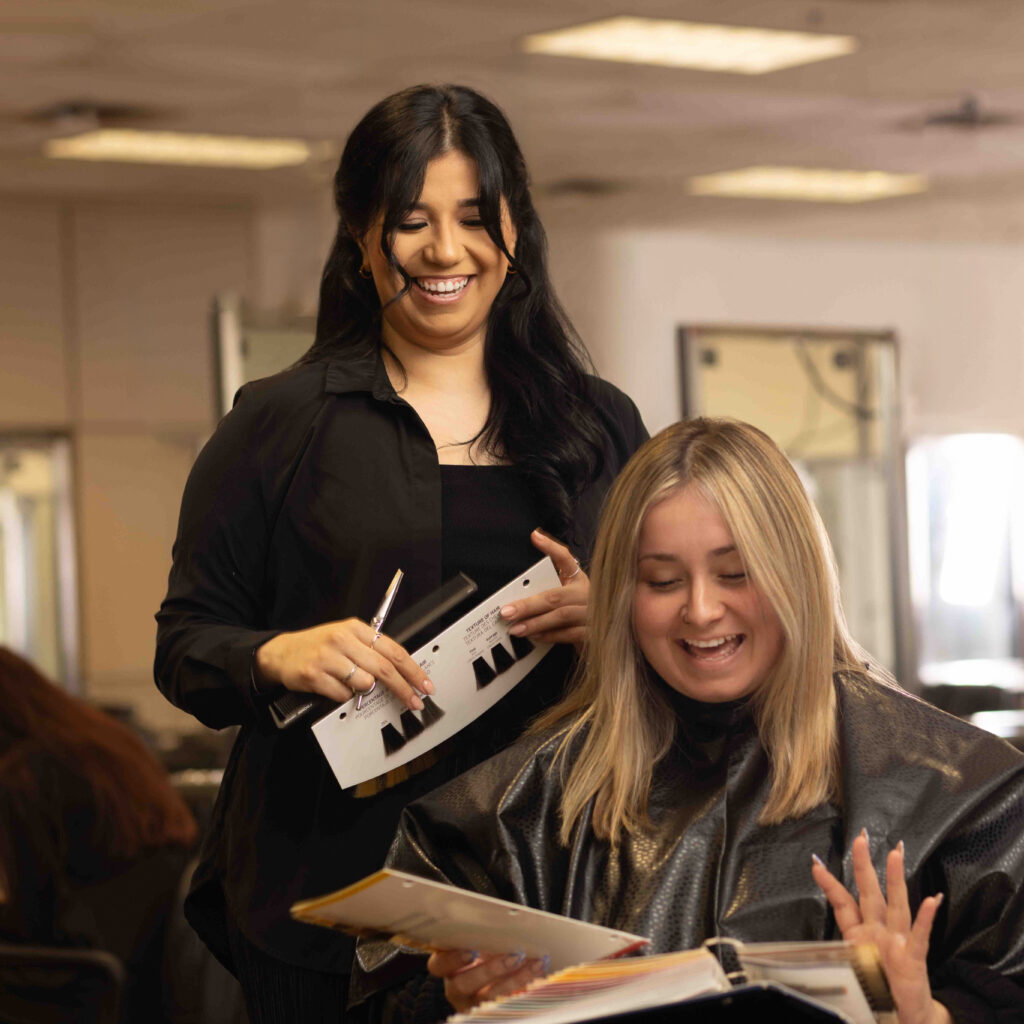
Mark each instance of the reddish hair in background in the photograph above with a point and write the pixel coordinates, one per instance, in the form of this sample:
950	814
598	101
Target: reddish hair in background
138	807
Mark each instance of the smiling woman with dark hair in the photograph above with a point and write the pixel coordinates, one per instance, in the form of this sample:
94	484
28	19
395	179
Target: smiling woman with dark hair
443	414
541	415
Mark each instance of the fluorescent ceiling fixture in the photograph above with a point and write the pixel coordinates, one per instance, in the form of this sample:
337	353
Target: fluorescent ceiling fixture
118	144
809	185
688	44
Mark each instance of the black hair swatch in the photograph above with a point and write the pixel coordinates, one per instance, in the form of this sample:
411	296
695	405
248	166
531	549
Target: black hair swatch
411	725
521	646
503	661
393	739
485	675
431	712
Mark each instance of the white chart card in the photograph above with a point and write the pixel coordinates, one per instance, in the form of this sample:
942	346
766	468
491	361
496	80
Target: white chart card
473	664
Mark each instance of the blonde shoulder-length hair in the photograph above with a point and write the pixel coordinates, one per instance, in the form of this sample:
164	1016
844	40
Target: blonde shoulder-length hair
621	725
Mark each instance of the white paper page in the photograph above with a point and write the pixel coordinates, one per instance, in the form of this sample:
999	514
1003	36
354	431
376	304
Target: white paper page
433	915
384	734
833	985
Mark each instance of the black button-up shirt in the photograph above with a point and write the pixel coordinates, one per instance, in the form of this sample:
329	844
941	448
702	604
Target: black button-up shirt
312	491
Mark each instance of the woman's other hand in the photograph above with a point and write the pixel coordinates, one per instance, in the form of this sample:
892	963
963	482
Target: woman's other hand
555	616
886	921
470	979
340	659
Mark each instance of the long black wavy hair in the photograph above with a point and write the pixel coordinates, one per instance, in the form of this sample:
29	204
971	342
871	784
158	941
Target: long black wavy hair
542	418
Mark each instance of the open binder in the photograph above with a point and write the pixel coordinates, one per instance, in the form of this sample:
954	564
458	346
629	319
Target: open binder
594	978
834	981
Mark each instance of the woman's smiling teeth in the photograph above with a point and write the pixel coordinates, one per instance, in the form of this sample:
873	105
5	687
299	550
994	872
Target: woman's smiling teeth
442	285
714	649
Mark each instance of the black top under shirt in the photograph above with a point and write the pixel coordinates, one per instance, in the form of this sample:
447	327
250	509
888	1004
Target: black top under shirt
487	515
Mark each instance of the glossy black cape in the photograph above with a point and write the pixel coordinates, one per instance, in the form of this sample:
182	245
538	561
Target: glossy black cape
952	793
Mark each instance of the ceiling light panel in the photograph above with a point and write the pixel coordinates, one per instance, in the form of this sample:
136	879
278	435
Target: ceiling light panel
123	145
808	185
687	44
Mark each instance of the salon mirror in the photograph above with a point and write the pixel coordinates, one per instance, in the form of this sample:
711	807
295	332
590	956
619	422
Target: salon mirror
829	400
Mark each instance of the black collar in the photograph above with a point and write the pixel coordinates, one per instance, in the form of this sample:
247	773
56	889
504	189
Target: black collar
365	371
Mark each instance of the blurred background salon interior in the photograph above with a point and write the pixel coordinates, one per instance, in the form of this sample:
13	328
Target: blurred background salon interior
808	214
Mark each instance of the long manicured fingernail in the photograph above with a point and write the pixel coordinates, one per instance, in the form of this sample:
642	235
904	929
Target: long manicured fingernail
900	847
427	686
939	897
415	703
514	960
508	611
817	860
864	833
519	629
469	955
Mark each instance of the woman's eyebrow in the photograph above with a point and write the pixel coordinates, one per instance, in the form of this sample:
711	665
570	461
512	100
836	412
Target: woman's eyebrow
658	556
462	204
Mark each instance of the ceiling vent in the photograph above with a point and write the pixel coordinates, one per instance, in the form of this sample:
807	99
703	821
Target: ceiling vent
589	187
70	117
969	116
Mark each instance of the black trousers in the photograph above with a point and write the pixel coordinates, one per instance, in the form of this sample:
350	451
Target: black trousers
279	993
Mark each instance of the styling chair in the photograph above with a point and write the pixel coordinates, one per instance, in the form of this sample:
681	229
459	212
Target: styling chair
52	985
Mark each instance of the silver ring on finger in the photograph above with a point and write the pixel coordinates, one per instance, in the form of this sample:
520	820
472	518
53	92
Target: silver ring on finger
365	693
565	577
350	673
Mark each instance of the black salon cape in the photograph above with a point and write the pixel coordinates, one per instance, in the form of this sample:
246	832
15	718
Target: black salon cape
318	484
952	793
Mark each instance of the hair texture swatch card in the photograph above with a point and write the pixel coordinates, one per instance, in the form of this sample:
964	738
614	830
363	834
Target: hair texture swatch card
473	664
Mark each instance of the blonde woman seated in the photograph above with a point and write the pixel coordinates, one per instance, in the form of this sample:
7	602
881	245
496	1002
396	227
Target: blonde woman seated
729	764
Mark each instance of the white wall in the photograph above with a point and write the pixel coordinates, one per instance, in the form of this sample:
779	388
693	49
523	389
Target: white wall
104	335
957	310
105	339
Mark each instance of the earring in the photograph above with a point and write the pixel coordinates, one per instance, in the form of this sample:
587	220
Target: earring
365	271
510	272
